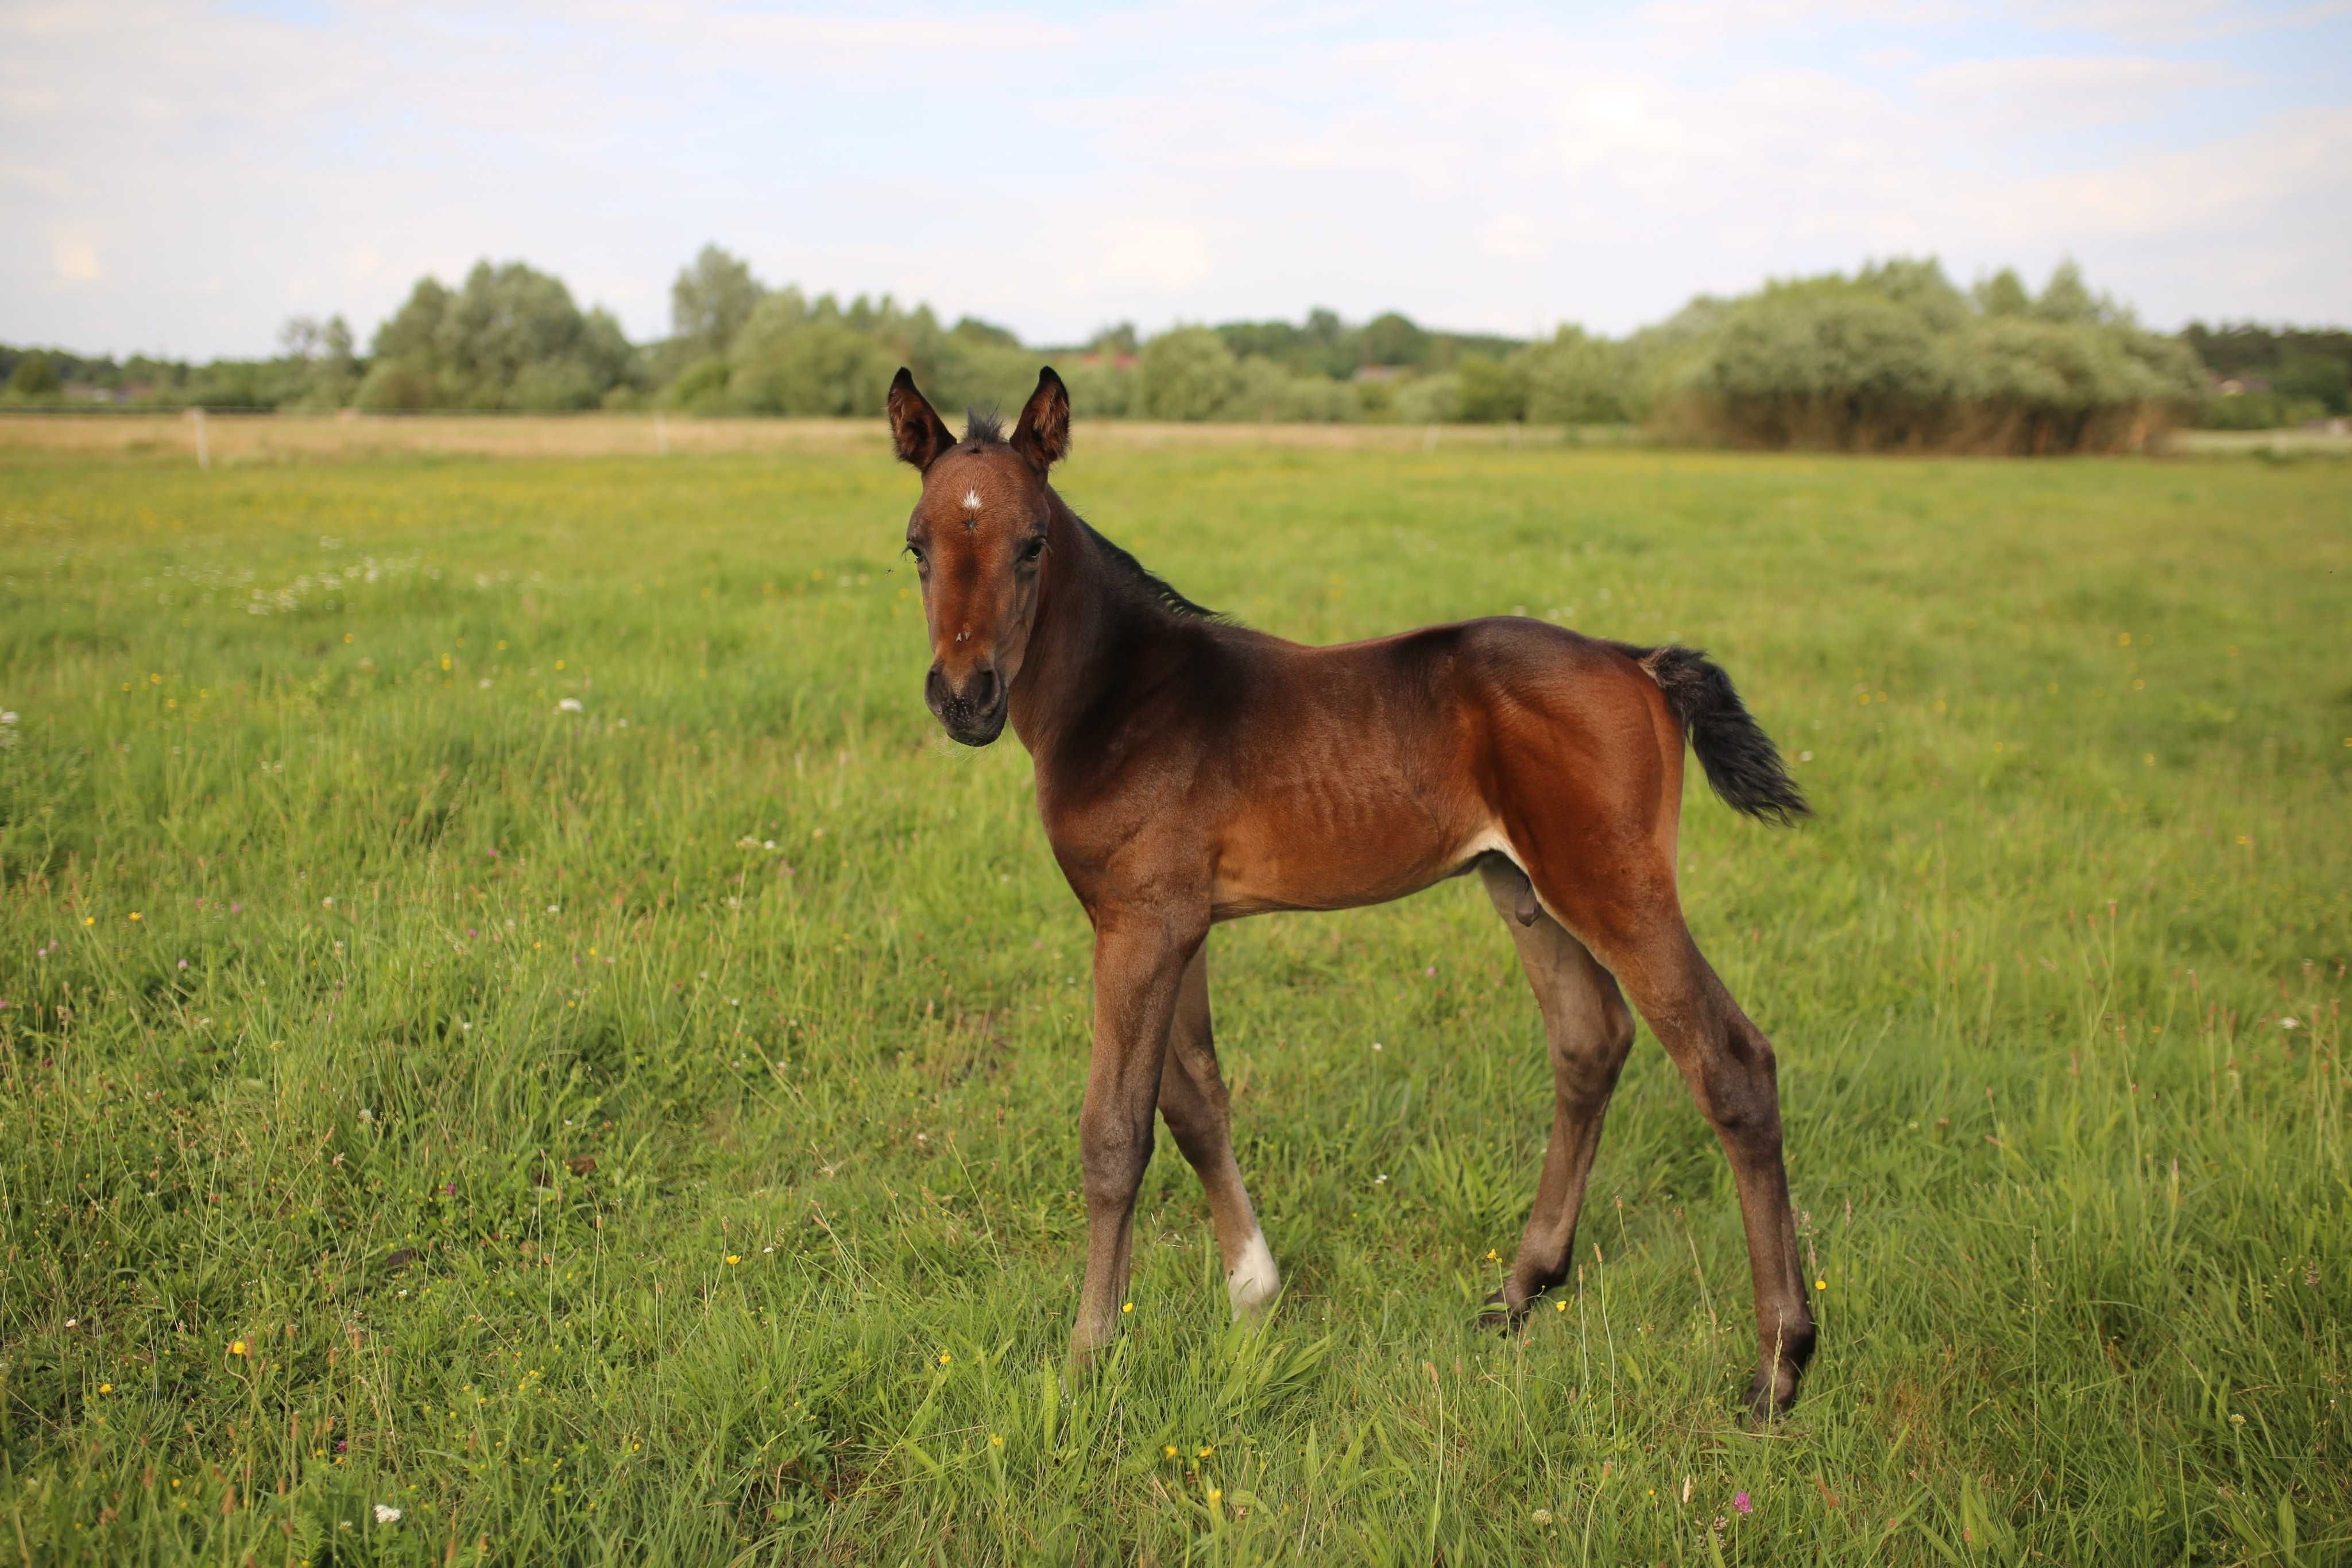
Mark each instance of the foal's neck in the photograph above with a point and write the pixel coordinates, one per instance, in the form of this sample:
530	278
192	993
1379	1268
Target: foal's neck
1093	634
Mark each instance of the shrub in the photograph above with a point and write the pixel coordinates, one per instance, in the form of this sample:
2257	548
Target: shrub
700	388
35	378
1429	400
1895	357
1492	391
2316	379
510	337
1578	380
1100	391
395	386
1188	373
816	367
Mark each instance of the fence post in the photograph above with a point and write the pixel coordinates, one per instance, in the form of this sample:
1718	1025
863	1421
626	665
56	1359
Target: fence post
203	456
1429	442
661	435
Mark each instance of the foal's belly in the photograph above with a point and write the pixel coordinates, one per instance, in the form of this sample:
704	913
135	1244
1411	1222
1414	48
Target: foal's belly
1335	861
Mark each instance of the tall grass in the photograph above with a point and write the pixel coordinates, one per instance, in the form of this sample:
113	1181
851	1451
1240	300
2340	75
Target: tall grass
645	1132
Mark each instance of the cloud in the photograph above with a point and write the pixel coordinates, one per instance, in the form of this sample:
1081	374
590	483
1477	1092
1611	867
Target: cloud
1501	170
1515	236
1159	253
2053	92
77	262
2283	187
2171	21
962	35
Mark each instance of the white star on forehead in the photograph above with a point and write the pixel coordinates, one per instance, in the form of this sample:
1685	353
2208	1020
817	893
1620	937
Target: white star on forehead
971	500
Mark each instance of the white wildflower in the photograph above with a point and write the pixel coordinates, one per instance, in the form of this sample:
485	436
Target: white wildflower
570	705
385	1512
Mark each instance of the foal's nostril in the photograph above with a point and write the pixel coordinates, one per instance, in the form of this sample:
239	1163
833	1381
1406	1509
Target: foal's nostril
936	693
982	693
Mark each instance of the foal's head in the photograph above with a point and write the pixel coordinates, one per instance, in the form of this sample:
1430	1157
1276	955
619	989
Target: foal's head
978	536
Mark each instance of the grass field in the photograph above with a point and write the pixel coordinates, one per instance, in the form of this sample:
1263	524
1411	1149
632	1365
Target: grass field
512	1014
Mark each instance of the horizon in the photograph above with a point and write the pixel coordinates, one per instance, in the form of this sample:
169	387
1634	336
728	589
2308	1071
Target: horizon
183	195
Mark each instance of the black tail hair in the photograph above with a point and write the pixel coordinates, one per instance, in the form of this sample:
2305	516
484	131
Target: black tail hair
1741	759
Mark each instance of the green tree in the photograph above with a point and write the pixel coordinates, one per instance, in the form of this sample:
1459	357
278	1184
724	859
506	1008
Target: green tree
1919	285
818	366
511	338
1188	373
1492	391
1118	337
1577	379
1393	340
2003	294
2066	298
1819	365
35	377
2316	379
328	371
714	296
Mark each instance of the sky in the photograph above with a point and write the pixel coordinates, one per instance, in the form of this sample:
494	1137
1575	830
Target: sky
182	178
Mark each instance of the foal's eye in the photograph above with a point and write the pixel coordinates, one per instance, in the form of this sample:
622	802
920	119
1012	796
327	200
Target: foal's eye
917	552
1033	549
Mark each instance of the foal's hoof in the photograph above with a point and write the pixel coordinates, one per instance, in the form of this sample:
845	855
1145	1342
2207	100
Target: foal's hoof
1496	1313
1769	1399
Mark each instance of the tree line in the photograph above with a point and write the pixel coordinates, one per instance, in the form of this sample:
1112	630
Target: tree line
1895	355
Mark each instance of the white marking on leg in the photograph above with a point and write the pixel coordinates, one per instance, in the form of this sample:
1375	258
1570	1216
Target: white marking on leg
971	500
1253	1282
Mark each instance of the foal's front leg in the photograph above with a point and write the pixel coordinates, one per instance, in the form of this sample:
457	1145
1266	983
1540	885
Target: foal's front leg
1193	1103
1140	960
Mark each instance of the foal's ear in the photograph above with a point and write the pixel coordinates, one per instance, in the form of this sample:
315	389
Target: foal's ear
1042	435
916	431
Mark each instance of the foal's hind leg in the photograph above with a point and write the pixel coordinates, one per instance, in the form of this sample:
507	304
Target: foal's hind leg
1590	1029
1729	1067
1194	1103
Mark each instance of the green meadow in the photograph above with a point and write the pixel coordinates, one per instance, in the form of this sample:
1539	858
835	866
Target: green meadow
514	1015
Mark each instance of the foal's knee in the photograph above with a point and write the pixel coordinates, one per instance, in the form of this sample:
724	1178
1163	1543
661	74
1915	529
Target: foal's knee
1616	1026
1738	1091
1587	1057
1112	1161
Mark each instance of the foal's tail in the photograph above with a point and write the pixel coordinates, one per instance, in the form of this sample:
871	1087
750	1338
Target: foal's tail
1741	759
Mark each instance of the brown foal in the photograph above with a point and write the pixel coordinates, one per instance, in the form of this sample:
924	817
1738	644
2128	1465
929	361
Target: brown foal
1191	771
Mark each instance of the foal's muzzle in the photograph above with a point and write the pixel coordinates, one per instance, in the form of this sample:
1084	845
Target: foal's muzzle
974	713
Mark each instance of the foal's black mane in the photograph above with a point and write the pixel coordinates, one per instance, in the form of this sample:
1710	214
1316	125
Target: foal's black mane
986	427
1155	589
